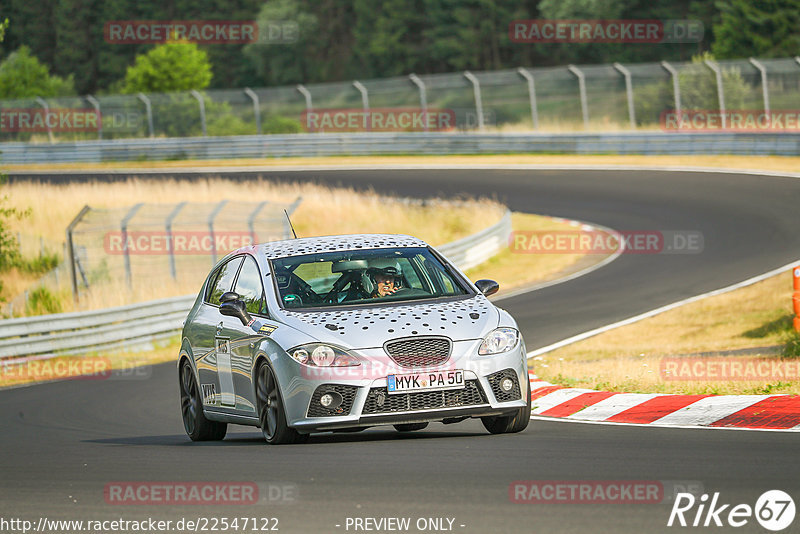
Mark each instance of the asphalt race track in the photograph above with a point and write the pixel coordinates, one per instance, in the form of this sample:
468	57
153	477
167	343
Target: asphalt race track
62	443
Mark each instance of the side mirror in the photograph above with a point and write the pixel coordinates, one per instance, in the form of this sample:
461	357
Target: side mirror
233	307
487	287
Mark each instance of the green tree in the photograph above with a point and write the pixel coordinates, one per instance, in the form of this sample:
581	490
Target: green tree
174	66
765	29
23	76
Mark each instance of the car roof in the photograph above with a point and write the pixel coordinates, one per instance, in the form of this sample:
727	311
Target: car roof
334	243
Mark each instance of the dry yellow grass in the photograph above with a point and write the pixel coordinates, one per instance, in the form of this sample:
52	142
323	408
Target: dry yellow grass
628	358
766	163
104	365
513	270
323	211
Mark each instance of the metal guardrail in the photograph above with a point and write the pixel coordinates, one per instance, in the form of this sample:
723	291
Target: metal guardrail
435	143
70	333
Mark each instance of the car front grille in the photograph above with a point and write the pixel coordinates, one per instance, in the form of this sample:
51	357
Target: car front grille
504	396
379	400
348	393
419	351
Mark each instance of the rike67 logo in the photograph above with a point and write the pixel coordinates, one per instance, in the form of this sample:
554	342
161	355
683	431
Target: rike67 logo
774	510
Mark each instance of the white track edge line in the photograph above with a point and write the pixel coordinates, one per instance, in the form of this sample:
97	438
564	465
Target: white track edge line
652	425
662	309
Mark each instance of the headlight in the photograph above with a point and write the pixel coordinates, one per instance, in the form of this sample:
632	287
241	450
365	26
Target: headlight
321	355
499	340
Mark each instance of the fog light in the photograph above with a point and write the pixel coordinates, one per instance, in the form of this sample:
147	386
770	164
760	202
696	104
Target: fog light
331	400
507	385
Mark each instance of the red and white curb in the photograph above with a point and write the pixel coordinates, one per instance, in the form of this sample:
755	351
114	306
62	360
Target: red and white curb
753	412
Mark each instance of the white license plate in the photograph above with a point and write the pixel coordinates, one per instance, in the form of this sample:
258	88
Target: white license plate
426	381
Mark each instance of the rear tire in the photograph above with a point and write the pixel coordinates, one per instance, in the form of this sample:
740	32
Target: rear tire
197	427
510	424
410	427
271	413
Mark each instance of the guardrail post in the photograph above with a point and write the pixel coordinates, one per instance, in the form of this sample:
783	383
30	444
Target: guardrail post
676	87
73	275
364	101
149	111
423	96
126	253
629	91
211	217
170	243
720	93
476	89
582	89
96	105
202	104
764	89
256	107
531	96
46	107
252	218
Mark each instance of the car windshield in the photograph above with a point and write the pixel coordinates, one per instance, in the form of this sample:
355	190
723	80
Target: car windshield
363	277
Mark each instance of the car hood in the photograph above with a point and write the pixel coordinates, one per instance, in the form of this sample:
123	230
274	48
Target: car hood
371	326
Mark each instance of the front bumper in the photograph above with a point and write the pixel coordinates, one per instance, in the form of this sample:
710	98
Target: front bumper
367	403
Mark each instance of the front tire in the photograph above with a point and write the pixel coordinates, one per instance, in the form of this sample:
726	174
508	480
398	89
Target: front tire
271	413
510	424
197	427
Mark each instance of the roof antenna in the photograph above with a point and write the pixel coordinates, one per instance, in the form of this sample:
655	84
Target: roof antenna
290	223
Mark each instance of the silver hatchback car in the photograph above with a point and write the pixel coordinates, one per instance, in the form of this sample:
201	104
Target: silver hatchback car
343	333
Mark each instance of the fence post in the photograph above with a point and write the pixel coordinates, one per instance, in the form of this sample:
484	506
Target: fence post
720	94
252	218
73	275
582	89
764	89
46	108
629	91
531	95
211	217
170	243
149	110
96	105
476	89
364	101
202	104
127	255
309	104
676	87
256	107
423	96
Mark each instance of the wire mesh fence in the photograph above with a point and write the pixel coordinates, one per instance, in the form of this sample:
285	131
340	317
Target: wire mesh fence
146	245
569	98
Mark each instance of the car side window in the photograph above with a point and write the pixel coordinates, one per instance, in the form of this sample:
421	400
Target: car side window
249	287
224	280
